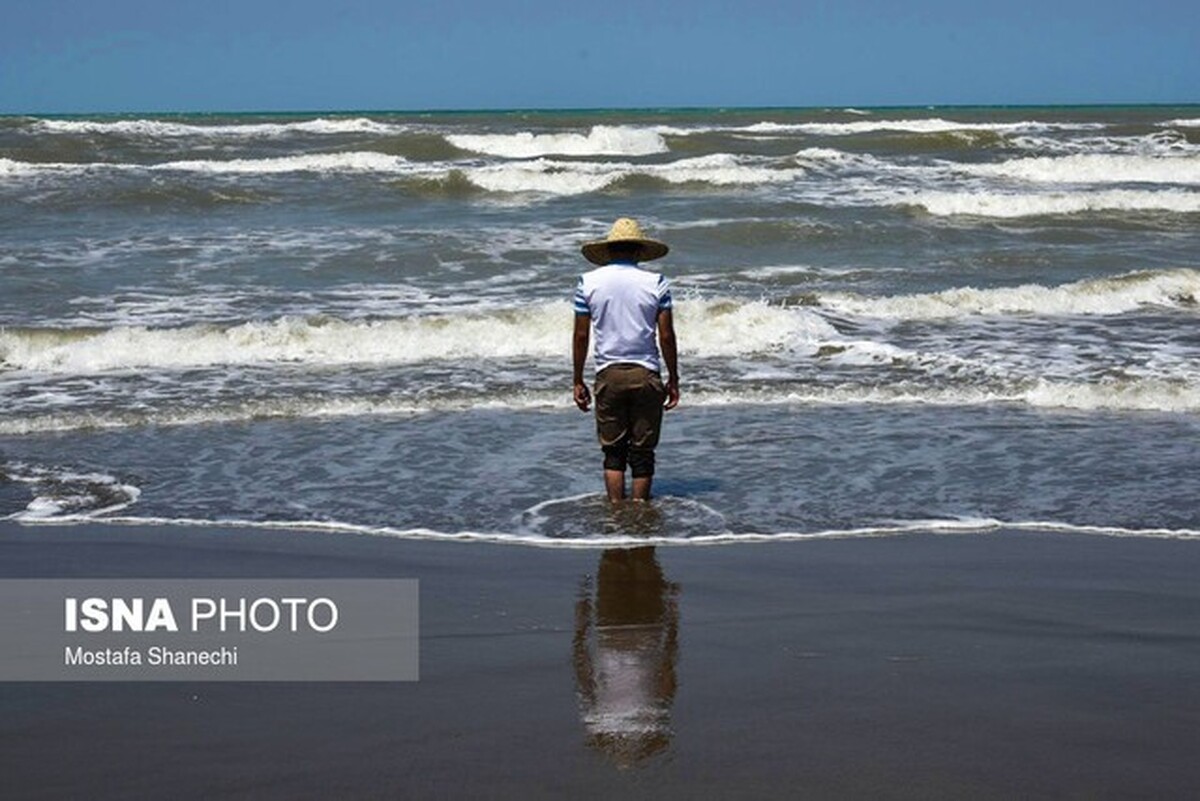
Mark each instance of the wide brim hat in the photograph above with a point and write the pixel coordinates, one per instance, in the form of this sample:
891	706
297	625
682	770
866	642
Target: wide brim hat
625	231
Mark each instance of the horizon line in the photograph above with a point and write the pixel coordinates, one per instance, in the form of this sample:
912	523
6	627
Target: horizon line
720	108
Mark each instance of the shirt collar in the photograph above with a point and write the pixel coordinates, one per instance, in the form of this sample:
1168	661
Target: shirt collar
623	263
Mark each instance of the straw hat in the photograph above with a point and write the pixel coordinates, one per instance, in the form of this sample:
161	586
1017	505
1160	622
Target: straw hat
624	230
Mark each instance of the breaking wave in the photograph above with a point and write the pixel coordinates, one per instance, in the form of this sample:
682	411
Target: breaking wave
360	162
319	162
573	178
931	126
1126	395
539	176
1010	205
162	128
601	140
722	328
1097	168
1095	296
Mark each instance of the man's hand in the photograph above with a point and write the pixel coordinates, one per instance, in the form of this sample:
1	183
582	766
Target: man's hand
583	396
672	388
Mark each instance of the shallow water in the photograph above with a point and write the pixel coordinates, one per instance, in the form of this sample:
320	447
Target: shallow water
888	319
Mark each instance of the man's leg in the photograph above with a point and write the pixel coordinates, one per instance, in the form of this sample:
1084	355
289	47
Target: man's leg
614	484
641	488
612	426
641	463
646	422
616	457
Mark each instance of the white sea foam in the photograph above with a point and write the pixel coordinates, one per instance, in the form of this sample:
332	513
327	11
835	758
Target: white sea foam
1131	395
291	408
11	168
1126	395
366	162
823	157
163	128
353	162
1098	168
533	332
721	169
287	339
60	493
1159	143
727	328
601	140
1010	204
546	177
1193	122
572	178
539	176
920	126
962	525
1096	296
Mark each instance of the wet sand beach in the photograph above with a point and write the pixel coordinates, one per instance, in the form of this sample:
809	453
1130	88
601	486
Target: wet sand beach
997	665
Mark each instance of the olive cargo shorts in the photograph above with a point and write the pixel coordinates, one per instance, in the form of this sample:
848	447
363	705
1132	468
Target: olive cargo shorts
629	410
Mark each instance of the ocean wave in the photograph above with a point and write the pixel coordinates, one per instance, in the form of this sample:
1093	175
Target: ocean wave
1124	395
353	162
1193	122
164	129
601	140
365	161
824	157
10	168
1096	168
539	176
722	328
282	408
1166	143
920	126
573	178
1130	395
1011	205
1139	395
1178	288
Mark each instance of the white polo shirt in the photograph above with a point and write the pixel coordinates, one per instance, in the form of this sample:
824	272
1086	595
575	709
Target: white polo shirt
623	301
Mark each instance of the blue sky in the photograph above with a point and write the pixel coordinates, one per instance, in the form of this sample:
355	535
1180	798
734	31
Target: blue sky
62	56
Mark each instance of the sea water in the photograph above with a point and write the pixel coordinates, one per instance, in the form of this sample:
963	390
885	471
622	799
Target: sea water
889	320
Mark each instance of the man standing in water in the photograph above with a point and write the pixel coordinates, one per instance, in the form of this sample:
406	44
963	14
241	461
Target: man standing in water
626	306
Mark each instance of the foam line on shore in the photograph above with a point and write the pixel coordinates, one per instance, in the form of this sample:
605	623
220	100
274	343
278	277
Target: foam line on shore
888	529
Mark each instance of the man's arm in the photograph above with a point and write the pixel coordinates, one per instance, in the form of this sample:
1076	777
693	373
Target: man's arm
579	349
670	354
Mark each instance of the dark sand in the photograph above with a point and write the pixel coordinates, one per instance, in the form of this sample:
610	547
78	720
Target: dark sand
1005	665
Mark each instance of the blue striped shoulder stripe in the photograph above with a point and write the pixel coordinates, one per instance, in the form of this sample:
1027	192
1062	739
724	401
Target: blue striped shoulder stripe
664	293
581	304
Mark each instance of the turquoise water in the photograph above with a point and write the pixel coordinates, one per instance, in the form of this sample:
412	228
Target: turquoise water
361	320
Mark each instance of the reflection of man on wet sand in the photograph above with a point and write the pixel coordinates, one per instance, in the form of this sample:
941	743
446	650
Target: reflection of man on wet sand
625	306
625	649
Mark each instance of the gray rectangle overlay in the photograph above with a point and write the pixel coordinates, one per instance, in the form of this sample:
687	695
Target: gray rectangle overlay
209	630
